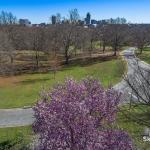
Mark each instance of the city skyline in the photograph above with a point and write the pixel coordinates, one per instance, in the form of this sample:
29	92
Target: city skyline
38	11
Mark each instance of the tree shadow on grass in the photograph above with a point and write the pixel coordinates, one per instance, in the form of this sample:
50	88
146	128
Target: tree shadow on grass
6	145
139	114
87	62
32	81
15	144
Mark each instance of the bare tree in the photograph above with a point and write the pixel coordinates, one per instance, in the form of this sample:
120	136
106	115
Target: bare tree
74	16
66	38
140	36
6	46
53	40
7	18
116	36
81	40
37	39
103	36
58	18
6	54
93	36
139	82
138	88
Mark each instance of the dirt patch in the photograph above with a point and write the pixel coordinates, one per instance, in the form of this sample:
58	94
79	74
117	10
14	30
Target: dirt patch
8	81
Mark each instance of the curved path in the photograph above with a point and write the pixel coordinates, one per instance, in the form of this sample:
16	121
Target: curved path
23	117
132	63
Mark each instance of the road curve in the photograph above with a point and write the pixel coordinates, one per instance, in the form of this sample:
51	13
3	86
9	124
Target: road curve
23	117
132	63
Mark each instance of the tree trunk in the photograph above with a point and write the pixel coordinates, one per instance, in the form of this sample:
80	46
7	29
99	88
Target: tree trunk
91	48
37	59
72	139
104	47
115	51
100	44
66	56
11	59
141	50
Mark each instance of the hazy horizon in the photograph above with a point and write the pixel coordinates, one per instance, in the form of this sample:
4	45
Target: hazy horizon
38	11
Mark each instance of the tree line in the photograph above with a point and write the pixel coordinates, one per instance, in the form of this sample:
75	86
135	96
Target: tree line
59	38
68	38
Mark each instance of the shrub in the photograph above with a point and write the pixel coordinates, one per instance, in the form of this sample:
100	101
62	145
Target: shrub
78	116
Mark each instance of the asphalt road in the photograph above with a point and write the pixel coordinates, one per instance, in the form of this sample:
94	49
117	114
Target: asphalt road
15	117
23	117
133	63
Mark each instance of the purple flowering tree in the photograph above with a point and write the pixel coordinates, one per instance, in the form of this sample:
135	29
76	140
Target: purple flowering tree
79	116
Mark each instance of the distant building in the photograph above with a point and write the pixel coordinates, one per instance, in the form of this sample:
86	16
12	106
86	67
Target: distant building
54	19
35	25
24	22
88	19
42	24
93	21
80	22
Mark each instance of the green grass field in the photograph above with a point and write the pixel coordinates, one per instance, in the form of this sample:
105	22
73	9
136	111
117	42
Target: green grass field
15	138
134	121
23	90
145	56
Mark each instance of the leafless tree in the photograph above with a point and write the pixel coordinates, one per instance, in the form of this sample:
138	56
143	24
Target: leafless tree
6	53
66	36
103	36
6	46
116	36
53	40
7	18
93	36
37	41
139	82
140	36
74	16
81	40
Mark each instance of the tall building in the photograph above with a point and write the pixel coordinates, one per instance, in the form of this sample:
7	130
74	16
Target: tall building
53	19
24	22
88	19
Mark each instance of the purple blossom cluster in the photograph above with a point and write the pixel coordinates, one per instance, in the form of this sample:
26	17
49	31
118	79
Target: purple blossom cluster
78	116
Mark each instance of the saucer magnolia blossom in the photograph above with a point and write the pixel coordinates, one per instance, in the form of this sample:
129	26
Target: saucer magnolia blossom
78	116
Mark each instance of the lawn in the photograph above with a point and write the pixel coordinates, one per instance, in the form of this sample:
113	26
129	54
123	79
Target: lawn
134	121
23	90
145	56
15	138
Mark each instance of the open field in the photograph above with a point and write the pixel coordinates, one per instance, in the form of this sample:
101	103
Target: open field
145	56
23	90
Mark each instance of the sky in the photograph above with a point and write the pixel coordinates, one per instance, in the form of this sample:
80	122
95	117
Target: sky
37	11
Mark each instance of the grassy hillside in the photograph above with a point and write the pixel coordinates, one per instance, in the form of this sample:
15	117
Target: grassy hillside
23	90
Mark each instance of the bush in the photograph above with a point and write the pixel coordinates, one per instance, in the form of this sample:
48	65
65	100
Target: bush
79	116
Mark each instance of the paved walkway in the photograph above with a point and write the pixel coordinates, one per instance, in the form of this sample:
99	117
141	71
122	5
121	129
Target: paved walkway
15	117
132	62
23	117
